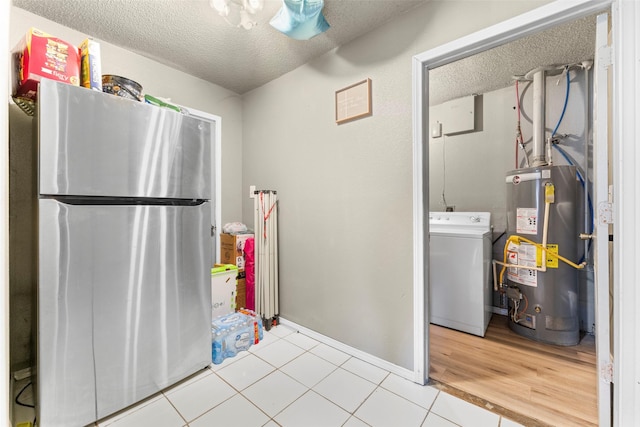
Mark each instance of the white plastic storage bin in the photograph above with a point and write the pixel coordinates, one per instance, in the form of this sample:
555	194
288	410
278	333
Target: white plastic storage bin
223	289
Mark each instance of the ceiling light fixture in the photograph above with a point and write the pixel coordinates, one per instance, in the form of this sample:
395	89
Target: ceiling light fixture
238	13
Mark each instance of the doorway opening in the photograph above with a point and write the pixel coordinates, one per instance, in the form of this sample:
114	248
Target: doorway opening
467	165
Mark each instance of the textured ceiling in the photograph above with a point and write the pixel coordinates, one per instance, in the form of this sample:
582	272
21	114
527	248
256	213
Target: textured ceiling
190	36
494	69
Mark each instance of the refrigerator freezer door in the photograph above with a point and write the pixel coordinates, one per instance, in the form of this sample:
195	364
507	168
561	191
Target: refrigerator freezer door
97	144
124	305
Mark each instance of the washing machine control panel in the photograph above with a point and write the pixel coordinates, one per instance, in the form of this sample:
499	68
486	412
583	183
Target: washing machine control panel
467	220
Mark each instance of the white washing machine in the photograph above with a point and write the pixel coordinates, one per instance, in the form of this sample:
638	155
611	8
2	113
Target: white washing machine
460	270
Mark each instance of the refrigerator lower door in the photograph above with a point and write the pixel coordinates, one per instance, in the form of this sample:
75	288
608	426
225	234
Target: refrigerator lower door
124	305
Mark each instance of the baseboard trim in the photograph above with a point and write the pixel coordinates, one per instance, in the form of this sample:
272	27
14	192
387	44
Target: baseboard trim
351	351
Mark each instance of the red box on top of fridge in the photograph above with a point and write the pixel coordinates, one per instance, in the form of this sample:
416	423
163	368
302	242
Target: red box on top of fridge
42	55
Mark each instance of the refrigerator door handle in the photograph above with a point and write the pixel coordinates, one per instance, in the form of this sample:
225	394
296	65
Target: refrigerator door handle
121	201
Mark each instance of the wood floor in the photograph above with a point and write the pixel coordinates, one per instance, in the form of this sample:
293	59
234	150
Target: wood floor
532	383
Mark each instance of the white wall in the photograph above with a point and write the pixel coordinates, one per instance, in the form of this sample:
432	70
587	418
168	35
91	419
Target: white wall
157	80
346	191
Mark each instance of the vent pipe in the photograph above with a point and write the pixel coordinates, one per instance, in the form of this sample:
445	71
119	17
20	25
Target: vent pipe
538	157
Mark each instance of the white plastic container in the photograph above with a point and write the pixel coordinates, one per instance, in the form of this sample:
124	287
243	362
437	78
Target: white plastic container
223	289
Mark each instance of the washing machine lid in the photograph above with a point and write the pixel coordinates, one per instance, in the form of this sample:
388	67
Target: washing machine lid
460	224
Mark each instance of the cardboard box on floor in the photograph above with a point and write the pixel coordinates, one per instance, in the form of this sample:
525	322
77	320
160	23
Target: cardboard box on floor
232	248
241	290
232	252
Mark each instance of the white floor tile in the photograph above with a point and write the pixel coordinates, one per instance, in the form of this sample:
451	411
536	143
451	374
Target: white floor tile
508	423
418	394
112	419
312	410
345	389
385	409
302	341
245	372
355	422
434	420
268	338
274	392
235	412
186	383
462	412
158	413
279	353
196	398
330	354
229	360
365	370
269	385
281	331
309	369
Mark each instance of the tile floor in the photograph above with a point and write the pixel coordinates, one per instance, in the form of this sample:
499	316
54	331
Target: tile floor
289	379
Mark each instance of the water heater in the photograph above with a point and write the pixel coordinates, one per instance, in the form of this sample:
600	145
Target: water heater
541	209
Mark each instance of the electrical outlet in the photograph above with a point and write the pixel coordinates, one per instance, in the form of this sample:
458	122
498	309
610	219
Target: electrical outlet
252	191
450	208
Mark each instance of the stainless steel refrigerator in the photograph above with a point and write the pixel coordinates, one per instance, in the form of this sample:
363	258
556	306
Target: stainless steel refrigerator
124	247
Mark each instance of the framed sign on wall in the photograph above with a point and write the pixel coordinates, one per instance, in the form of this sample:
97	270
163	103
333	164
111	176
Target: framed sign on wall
353	102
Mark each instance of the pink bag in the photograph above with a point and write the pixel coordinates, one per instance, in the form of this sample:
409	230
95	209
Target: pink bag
250	273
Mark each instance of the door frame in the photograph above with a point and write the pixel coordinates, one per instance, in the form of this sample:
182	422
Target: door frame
626	199
216	175
537	20
5	392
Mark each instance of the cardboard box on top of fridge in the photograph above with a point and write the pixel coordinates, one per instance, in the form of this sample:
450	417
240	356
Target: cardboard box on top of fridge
223	289
39	55
90	65
232	248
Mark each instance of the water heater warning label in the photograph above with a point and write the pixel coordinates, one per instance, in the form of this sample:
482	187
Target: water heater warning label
552	256
527	221
522	255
